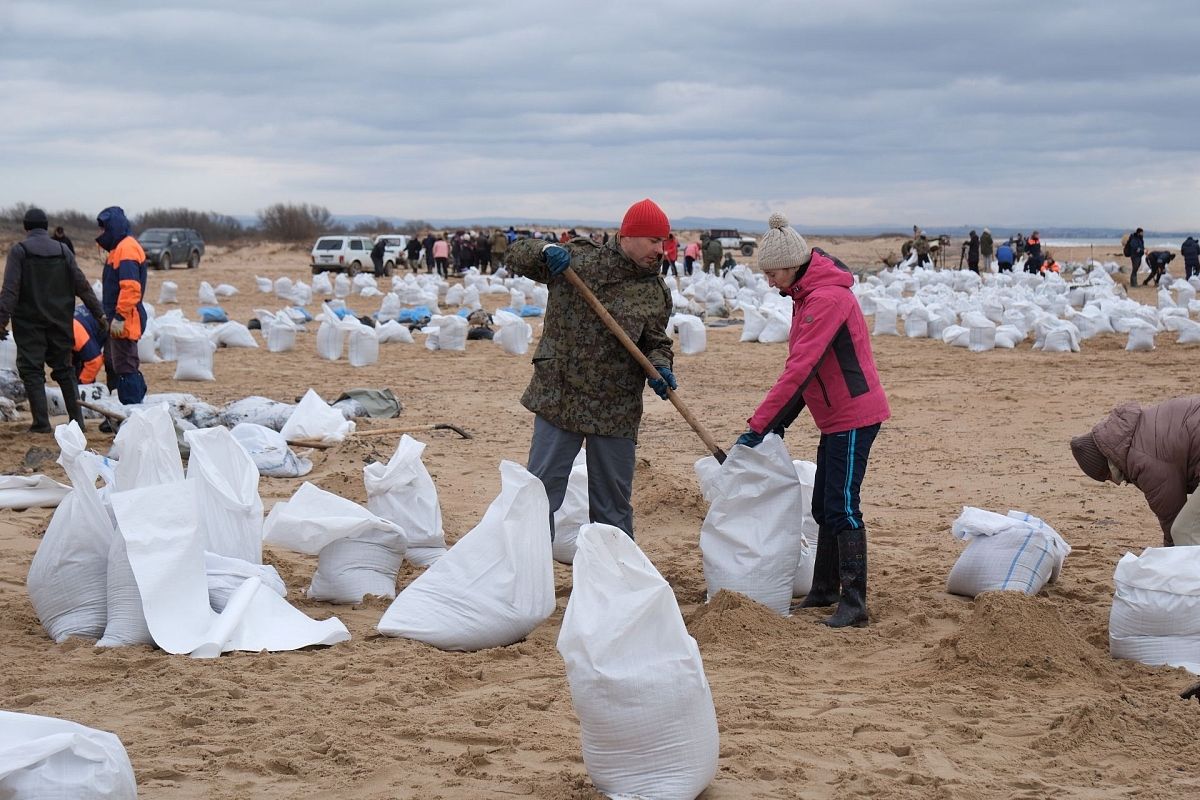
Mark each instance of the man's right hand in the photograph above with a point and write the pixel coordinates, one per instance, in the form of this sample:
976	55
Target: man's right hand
117	328
557	259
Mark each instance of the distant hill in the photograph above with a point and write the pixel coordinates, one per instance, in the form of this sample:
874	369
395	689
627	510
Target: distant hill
756	226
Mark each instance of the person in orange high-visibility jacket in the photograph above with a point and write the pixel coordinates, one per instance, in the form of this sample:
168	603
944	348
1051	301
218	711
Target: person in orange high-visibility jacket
124	285
88	354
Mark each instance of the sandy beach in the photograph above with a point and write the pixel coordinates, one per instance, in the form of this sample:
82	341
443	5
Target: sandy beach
941	697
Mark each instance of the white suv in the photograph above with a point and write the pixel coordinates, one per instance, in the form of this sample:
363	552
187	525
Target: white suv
393	250
338	253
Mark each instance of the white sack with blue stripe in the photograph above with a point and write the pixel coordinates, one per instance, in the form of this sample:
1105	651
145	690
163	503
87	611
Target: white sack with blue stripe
1016	552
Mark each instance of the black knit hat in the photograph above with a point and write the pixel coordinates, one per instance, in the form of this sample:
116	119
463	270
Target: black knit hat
36	218
1090	459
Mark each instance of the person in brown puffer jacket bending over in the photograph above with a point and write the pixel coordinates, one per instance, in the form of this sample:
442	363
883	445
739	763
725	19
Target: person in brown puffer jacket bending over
1157	449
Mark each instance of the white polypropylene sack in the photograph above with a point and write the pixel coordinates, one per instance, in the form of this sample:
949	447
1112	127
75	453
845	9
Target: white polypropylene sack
161	532
257	410
645	709
43	758
225	290
402	492
750	541
316	419
885	317
67	581
226	574
31	491
350	569
281	338
1155	617
693	337
777	326
514	335
451	333
1017	552
231	511
392	331
314	518
208	297
269	451
195	358
1141	336
806	471
574	512
149	449
167	292
264	285
364	346
232	334
125	623
331	339
494	586
753	325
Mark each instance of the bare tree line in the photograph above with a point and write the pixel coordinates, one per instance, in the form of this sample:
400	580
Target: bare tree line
281	222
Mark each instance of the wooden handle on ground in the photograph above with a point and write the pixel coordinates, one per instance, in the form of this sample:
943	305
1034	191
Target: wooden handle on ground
651	371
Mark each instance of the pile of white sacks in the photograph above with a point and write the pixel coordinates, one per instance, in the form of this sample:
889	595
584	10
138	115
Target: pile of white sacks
160	557
981	313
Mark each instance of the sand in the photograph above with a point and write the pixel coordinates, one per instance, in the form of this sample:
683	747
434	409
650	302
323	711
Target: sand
942	697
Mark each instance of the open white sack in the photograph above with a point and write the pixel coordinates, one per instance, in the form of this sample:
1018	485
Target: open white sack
316	419
495	585
231	511
806	471
43	758
31	491
359	552
269	451
1155	617
646	714
1014	552
402	492
194	358
68	578
149	450
753	324
161	531
574	512
363	350
749	540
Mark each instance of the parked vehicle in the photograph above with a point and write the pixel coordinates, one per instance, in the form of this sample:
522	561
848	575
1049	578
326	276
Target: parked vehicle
166	247
393	250
341	252
732	240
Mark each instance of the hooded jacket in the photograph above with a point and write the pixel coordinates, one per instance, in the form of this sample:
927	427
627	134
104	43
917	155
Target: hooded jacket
830	367
1157	449
88	347
124	273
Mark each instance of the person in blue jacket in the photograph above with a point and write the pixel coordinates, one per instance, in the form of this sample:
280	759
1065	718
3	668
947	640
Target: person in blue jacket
1004	257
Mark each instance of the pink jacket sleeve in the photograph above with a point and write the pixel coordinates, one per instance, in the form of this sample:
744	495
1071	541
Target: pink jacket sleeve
813	328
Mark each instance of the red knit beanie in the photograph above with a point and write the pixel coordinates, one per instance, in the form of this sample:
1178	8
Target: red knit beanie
645	218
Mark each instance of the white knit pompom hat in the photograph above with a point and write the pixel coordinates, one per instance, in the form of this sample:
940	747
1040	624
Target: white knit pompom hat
781	247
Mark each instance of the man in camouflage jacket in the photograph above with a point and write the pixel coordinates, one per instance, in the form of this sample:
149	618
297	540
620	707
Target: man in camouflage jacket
585	385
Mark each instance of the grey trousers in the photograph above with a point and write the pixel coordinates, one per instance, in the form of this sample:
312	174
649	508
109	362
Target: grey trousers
610	463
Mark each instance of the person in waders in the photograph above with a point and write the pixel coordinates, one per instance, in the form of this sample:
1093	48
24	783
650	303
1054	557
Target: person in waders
41	282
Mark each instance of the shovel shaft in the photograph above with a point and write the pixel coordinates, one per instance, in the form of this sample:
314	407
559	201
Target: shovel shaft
651	371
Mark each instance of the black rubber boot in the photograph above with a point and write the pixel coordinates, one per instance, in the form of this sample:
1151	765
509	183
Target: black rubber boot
824	591
39	408
70	392
852	564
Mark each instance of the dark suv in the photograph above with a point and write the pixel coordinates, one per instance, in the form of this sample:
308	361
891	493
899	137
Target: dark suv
168	246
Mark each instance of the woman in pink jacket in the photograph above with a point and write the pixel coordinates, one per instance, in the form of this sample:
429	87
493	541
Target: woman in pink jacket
831	370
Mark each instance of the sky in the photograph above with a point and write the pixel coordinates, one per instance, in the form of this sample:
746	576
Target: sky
867	112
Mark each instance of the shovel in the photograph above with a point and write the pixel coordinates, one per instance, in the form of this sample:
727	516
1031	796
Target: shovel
651	371
440	426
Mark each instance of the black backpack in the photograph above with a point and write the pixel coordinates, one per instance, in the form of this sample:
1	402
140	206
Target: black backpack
1125	245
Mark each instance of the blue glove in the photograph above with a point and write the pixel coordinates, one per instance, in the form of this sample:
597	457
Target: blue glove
668	379
749	439
557	259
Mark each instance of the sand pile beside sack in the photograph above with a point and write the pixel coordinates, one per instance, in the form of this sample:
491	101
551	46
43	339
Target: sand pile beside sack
732	618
